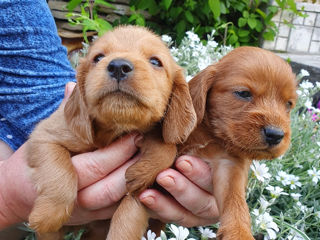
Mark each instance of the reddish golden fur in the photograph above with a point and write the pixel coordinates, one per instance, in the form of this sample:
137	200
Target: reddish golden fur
228	135
153	100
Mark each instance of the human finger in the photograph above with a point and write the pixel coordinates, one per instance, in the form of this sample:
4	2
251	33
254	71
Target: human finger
94	166
68	89
196	170
107	191
195	199
83	216
167	209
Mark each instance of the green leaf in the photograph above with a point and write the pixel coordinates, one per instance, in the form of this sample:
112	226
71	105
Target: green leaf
181	27
223	8
140	21
245	14
143	4
244	39
259	26
132	18
233	39
104	3
268	35
243	33
189	16
215	8
167	3
292	5
252	22
153	7
242	22
273	9
261	13
103	25
175	12
73	4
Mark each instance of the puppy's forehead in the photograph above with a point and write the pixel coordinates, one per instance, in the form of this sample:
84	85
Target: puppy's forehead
259	69
130	38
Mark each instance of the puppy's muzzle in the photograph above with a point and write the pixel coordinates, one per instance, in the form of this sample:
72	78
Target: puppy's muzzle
272	135
120	69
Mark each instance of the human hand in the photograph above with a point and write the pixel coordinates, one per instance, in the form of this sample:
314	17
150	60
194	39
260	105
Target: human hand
190	185
101	181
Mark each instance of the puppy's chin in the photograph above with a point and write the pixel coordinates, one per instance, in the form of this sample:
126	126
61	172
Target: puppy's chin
125	112
264	153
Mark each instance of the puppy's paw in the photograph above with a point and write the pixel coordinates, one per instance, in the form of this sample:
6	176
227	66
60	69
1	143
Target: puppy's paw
139	177
47	216
234	233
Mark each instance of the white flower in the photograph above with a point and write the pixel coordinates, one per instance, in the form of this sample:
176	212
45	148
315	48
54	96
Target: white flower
212	44
166	38
151	236
304	73
180	233
288	180
260	171
282	177
299	92
306	85
276	191
302	207
308	104
317	214
192	36
206	233
295	196
265	222
263	204
314	174
293	181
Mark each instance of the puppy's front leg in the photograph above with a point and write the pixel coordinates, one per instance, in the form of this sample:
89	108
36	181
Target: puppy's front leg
130	221
229	183
56	184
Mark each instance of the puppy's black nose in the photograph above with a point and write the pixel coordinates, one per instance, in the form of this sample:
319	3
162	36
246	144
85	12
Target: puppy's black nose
120	69
273	135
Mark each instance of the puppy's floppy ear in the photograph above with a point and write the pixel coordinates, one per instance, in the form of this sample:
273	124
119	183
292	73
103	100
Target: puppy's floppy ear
76	111
180	118
199	87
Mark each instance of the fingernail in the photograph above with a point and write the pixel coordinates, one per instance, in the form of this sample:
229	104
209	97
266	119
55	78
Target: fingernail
148	200
138	140
184	166
167	181
68	90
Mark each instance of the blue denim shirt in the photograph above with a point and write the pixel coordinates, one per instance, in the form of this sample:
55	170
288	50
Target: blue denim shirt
33	68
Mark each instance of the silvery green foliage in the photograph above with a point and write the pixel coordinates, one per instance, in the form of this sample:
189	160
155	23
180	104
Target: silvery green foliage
193	55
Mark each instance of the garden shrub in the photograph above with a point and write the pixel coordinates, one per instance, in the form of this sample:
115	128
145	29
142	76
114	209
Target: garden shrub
236	22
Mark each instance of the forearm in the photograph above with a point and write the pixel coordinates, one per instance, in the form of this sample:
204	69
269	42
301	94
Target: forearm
16	190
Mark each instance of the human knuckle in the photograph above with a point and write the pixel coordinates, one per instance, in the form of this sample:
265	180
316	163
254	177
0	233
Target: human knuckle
110	194
208	209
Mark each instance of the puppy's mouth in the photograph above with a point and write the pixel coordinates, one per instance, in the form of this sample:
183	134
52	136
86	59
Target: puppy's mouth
121	94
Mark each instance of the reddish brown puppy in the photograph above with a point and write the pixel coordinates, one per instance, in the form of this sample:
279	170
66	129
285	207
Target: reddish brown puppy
127	82
243	107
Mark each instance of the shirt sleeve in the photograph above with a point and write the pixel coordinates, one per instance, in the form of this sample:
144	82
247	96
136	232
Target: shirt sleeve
34	68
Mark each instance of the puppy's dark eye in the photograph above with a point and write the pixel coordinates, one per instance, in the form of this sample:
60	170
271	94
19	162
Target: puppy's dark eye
245	95
155	61
98	58
289	105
